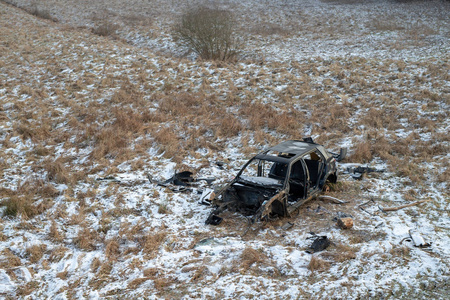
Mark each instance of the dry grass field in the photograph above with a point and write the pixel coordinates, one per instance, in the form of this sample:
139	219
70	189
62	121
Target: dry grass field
94	90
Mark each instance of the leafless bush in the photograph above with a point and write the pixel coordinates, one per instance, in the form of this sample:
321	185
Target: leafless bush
41	13
103	25
209	33
105	29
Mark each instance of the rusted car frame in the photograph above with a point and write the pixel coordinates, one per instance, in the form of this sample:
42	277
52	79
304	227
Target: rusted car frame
277	181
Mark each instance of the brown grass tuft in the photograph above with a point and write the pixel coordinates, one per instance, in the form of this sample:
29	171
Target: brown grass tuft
18	205
109	143
151	272
318	264
9	259
251	256
112	250
152	242
168	142
27	288
95	264
54	232
87	238
56	171
136	282
57	254
36	252
362	153
62	275
340	252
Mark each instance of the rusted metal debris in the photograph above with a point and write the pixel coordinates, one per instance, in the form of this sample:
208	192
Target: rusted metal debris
278	180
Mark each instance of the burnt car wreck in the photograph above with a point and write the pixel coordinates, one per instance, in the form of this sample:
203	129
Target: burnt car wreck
277	181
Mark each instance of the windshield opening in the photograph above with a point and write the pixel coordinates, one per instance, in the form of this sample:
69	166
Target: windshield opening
265	172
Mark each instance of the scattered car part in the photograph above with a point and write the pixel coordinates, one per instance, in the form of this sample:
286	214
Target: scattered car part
208	242
180	182
341	215
319	210
287	225
365	203
213	220
208	180
207	196
358	172
278	180
321	242
342	154
149	177
220	164
182	178
417	239
108	178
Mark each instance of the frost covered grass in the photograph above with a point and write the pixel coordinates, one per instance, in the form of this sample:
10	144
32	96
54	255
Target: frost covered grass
76	107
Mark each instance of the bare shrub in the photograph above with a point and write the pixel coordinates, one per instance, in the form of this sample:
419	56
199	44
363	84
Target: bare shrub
41	13
209	33
104	26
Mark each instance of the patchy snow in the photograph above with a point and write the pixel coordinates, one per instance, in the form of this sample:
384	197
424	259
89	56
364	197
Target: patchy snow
146	241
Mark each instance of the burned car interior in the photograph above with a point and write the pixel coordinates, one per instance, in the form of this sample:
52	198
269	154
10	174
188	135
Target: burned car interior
277	181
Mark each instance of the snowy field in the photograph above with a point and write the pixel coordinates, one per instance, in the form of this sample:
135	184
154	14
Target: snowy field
85	120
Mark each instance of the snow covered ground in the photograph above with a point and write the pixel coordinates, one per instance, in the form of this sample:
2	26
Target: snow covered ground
85	119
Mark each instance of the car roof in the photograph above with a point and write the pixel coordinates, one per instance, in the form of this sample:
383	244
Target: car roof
293	147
